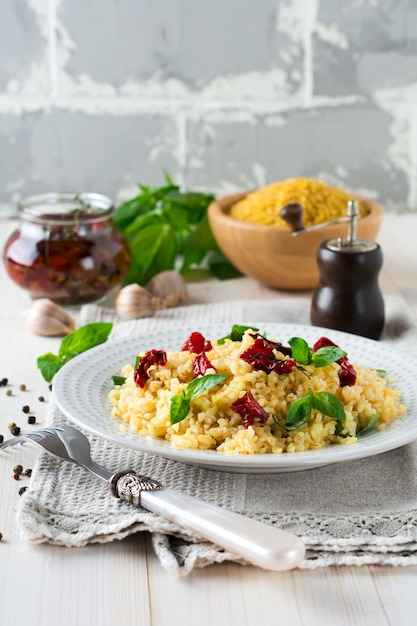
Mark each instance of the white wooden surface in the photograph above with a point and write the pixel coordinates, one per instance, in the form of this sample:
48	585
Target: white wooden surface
122	583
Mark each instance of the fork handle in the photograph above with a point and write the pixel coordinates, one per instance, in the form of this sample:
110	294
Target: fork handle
258	543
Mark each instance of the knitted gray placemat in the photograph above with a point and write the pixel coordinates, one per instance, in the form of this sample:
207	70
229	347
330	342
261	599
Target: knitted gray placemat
358	512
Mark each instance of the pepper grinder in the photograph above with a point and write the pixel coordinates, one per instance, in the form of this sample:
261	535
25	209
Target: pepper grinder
348	297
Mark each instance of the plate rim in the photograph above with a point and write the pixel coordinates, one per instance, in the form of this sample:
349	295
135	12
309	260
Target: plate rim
213	459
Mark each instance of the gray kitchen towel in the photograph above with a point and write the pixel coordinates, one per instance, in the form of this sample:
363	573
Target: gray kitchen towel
353	513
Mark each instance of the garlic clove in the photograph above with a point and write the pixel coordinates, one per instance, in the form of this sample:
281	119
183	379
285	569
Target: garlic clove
169	288
133	302
49	319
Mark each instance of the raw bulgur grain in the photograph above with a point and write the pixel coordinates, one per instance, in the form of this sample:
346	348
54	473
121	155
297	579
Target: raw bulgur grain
320	202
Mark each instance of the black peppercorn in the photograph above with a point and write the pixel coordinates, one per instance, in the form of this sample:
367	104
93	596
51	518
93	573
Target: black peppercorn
31	419
1	438
16	431
41	399
25	408
28	472
22	490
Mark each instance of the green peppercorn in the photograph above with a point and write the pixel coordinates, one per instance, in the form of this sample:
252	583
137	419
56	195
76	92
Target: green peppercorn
18	469
11	426
9	392
22	387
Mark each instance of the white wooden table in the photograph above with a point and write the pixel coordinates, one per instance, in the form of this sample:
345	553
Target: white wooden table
122	583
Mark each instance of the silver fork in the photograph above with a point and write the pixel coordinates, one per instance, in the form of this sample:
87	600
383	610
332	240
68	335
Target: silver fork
258	543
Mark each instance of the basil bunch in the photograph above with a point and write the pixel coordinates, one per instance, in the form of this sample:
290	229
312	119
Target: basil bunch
168	229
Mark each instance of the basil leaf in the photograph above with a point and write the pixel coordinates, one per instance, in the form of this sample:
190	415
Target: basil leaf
300	350
180	404
339	430
201	384
380	373
84	338
329	405
370	425
299	413
327	355
221	268
237	332
164	258
72	345
179	408
144	247
49	364
118	380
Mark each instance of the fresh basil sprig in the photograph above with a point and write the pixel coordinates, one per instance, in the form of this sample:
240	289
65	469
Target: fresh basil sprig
323	356
237	332
323	401
180	404
168	229
72	345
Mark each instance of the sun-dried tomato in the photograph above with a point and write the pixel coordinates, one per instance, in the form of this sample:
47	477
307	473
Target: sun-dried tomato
152	357
249	410
261	356
347	373
196	342
201	364
323	342
277	345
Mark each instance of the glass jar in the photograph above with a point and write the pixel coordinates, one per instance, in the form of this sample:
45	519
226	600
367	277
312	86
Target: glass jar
66	248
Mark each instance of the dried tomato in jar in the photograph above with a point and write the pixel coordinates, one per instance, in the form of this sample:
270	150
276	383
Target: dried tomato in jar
66	248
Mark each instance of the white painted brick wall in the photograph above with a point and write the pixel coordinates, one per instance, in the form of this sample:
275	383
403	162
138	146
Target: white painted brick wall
224	94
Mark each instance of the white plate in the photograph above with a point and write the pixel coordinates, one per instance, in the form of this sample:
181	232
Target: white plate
81	388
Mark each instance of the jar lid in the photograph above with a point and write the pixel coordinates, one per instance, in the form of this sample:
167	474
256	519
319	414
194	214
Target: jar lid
66	208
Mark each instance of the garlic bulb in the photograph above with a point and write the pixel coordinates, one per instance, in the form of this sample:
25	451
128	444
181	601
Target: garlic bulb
47	318
169	288
134	301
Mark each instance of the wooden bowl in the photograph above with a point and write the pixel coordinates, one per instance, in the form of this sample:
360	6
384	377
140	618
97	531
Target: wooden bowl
271	254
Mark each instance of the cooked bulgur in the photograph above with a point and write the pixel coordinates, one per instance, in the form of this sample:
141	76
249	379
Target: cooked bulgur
212	424
320	202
